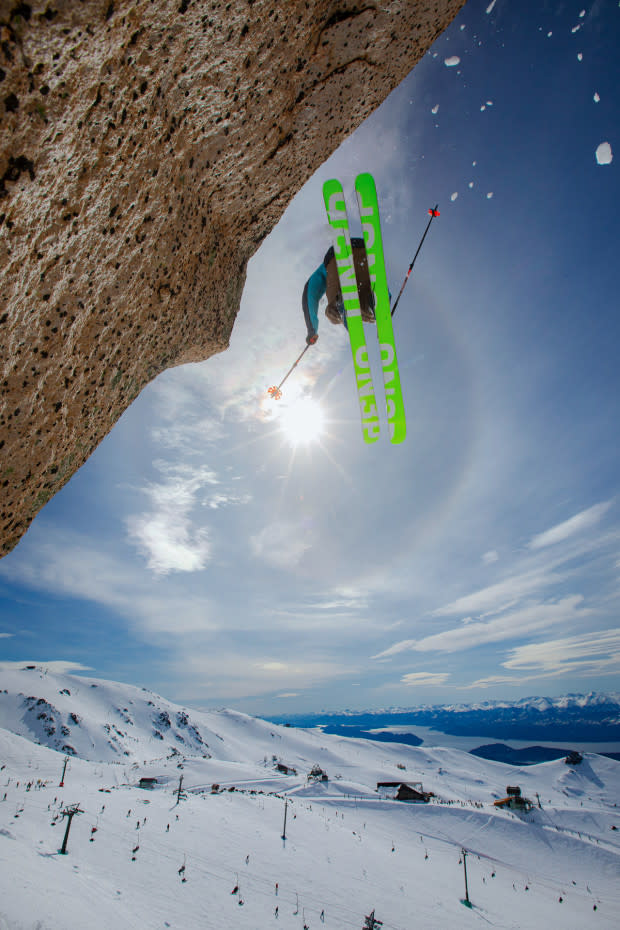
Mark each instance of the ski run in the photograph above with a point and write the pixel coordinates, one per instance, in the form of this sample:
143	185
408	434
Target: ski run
177	819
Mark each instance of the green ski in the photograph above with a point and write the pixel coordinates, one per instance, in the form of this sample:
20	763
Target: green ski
335	204
369	213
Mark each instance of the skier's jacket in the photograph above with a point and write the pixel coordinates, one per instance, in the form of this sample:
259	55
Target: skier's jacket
325	281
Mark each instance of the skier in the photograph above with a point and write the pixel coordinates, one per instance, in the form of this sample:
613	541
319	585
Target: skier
325	281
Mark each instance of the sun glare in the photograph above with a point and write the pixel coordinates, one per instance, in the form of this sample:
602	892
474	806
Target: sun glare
302	422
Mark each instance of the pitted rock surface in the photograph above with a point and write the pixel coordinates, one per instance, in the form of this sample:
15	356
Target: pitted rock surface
146	150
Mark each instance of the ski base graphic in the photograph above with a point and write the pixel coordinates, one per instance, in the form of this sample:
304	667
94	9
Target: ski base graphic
369	213
333	195
335	205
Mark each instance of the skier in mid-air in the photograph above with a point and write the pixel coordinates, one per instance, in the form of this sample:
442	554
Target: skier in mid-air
325	281
354	295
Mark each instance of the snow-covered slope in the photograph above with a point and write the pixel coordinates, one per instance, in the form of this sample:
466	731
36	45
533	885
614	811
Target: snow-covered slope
347	849
106	721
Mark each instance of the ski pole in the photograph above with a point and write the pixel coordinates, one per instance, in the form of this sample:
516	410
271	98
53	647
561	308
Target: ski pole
433	212
275	392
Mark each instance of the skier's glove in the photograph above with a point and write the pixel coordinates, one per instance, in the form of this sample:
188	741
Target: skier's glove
311	339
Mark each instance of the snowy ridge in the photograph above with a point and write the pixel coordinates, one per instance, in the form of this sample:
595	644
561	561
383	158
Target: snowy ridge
591	699
107	721
593	717
211	857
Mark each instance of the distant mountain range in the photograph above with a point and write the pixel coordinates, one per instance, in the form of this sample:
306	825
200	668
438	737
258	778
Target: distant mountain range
592	717
106	721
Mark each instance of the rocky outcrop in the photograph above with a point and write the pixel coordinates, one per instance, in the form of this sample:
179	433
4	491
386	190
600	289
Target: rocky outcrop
146	150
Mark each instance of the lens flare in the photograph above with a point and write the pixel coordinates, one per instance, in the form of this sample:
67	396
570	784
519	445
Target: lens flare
302	422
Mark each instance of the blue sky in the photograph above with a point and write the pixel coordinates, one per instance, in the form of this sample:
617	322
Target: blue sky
200	554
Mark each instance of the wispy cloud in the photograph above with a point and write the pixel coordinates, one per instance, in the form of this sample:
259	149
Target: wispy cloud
510	625
425	679
514	624
165	534
341	603
5	635
233	674
596	653
405	645
550	560
189	436
503	594
335	605
493	680
281	544
520	608
172	534
582	521
72	566
169	543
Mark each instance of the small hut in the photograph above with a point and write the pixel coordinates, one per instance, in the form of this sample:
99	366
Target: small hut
514	800
403	791
148	783
285	769
316	773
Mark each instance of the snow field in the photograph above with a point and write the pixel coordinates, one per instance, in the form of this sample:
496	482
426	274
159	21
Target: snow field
347	851
344	854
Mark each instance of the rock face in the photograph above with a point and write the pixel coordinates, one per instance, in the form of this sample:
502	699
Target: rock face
147	147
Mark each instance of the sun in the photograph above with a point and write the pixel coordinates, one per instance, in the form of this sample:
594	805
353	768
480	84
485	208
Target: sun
302	421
